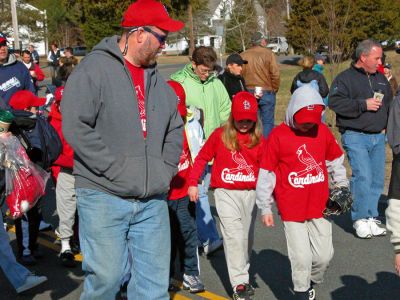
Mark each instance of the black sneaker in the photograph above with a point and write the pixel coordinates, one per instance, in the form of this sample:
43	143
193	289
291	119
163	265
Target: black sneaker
240	293
308	295
67	259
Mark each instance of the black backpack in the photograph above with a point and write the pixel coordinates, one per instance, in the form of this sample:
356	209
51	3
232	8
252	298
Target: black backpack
40	140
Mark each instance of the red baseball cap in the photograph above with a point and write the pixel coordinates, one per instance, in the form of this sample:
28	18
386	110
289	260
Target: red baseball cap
244	107
309	114
3	39
149	13
180	93
24	99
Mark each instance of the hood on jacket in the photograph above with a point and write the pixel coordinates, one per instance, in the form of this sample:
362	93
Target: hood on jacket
187	71
302	97
109	45
307	75
11	60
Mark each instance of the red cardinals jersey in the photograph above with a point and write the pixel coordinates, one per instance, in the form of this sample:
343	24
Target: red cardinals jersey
137	74
234	170
180	183
298	161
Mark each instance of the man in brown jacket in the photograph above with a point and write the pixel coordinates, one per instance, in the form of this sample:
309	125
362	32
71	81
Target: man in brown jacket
262	77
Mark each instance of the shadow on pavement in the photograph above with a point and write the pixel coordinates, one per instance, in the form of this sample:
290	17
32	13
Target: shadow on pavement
61	282
386	287
274	269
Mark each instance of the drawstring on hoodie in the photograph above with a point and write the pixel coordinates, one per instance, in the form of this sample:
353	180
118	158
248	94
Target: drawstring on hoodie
126	39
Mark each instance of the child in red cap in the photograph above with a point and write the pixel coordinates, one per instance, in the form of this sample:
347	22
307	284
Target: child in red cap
236	148
182	212
27	227
65	182
294	172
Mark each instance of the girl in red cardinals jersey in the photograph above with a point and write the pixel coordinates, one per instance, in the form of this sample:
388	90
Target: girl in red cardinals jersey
236	149
294	171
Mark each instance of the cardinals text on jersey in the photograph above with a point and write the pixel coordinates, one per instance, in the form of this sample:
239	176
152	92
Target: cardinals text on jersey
242	173
311	174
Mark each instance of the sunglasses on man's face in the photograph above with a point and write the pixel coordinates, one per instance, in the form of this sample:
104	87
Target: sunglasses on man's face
160	38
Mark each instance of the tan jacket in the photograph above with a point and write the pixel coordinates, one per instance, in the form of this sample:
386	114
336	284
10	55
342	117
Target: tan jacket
261	70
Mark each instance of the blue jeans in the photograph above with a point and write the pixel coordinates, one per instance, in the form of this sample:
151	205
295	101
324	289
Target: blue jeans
206	229
183	235
266	110
15	272
110	228
366	153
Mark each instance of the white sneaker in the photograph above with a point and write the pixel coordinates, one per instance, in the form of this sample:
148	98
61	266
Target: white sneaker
30	282
363	229
375	229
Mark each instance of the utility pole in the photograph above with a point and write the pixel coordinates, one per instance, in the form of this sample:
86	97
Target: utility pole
46	42
15	23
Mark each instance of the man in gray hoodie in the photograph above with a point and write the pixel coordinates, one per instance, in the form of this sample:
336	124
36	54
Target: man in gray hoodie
121	119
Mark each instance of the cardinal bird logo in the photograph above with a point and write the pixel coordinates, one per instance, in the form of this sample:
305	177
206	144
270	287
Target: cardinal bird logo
243	172
312	173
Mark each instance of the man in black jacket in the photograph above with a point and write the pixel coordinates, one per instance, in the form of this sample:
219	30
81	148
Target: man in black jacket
360	96
232	77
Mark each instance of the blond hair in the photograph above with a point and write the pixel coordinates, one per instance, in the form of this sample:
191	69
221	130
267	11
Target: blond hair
307	62
229	135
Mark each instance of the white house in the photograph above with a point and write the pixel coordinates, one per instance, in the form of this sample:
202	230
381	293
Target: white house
220	14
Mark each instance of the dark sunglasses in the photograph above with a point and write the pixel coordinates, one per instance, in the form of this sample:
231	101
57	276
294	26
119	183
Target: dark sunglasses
160	38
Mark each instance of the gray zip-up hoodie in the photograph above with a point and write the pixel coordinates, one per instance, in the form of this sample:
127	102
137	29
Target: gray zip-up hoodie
101	122
302	97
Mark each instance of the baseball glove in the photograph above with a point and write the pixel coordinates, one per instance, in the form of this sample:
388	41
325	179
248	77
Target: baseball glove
339	202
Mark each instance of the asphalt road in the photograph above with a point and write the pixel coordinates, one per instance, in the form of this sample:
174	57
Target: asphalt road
360	269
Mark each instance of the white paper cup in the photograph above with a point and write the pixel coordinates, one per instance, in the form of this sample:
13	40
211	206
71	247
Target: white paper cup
258	91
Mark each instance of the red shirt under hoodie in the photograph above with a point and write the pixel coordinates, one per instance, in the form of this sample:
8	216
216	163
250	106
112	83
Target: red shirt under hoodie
180	183
233	170
298	161
66	158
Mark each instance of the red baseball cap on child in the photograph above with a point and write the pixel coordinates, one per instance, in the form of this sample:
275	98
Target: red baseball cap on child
149	13
244	107
24	99
180	93
309	114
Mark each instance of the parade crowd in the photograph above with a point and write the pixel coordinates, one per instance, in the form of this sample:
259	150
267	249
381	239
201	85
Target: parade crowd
134	159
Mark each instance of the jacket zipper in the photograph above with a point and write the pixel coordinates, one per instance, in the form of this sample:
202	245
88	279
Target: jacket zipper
145	140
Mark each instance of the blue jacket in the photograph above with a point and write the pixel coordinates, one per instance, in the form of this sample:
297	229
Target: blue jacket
14	76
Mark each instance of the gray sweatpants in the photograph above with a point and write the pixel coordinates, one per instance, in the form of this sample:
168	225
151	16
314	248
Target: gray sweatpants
310	250
66	204
237	213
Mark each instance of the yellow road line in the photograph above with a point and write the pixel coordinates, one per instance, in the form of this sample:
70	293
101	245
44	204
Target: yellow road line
79	257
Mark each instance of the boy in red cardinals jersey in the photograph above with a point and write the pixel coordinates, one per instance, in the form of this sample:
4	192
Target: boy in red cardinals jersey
65	181
236	149
294	170
181	212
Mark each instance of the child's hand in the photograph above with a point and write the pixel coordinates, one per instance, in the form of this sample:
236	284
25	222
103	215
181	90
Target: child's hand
268	220
397	263
193	193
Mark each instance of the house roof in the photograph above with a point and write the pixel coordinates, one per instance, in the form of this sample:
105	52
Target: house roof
213	4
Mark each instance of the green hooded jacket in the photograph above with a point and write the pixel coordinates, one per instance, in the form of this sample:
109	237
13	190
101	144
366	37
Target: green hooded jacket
210	96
